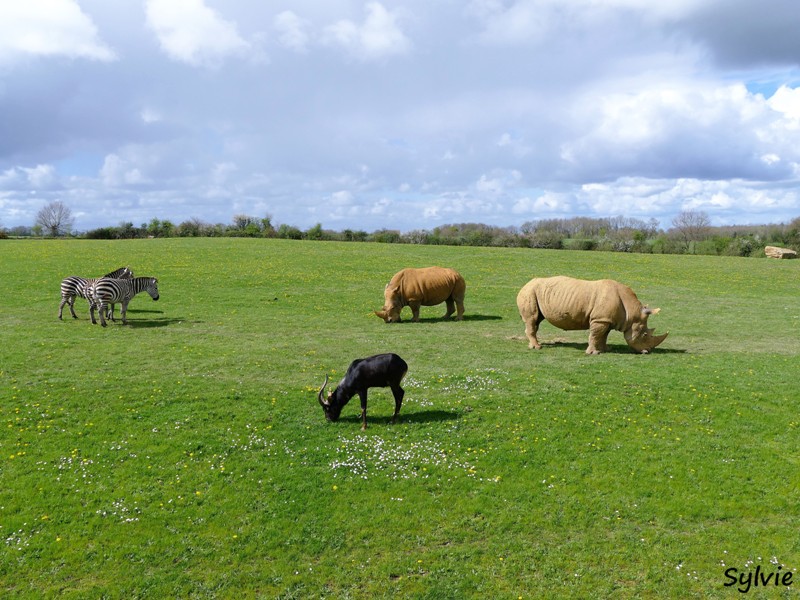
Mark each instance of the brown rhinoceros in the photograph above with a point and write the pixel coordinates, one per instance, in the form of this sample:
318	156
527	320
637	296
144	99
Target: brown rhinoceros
423	287
598	306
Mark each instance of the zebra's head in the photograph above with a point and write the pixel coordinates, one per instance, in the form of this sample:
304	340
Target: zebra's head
152	288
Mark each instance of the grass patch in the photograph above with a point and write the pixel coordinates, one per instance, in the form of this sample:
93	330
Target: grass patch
184	455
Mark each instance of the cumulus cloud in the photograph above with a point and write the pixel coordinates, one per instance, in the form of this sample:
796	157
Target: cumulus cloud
191	32
49	28
407	115
787	101
546	205
684	130
118	171
293	31
377	37
33	178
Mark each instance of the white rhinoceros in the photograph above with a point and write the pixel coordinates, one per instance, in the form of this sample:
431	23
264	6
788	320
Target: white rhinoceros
598	306
423	287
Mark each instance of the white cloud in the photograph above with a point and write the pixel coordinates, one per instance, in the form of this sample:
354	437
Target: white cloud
222	172
117	171
500	111
499	183
191	32
342	198
547	205
683	129
377	37
33	178
787	101
150	115
293	31
49	28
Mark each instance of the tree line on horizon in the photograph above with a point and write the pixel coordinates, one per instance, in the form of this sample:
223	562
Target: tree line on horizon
691	233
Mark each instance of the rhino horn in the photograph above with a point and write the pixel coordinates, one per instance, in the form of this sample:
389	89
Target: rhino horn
321	395
380	313
657	339
653	341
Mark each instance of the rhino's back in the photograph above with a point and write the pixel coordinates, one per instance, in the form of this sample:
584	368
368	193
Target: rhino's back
570	303
429	285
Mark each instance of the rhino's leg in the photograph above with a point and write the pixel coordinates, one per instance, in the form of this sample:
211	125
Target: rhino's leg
531	327
451	307
415	311
460	309
598	336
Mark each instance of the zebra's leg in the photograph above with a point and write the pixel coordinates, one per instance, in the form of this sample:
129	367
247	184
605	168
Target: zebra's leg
64	300
111	311
124	311
91	312
102	312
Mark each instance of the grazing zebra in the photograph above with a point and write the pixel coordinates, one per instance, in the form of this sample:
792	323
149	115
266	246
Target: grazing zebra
105	291
74	286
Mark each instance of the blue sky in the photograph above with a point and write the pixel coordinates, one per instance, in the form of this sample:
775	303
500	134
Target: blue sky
404	115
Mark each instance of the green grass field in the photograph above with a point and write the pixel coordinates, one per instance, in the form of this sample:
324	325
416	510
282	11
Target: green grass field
185	455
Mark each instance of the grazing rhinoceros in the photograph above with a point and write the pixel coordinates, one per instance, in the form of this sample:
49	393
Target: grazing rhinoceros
423	287
598	306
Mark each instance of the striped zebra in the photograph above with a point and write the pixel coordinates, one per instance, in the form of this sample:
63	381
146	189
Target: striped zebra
74	286
106	290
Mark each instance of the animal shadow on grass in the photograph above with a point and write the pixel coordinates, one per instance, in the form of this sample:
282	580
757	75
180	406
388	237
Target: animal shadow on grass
405	320
612	348
421	416
150	321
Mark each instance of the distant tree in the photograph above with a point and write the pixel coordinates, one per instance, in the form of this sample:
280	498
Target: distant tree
385	236
267	229
154	228
315	232
289	232
55	219
243	221
247	226
793	233
21	231
692	226
102	233
126	231
417	236
194	227
354	236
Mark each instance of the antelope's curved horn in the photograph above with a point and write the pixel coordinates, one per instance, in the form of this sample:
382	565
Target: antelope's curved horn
321	395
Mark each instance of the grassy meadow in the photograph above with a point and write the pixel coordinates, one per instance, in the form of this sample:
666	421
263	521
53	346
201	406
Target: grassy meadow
185	455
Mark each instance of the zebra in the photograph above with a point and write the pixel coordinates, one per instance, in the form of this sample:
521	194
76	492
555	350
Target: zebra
74	286
106	290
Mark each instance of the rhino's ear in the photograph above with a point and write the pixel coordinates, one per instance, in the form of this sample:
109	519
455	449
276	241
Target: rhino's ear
651	311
